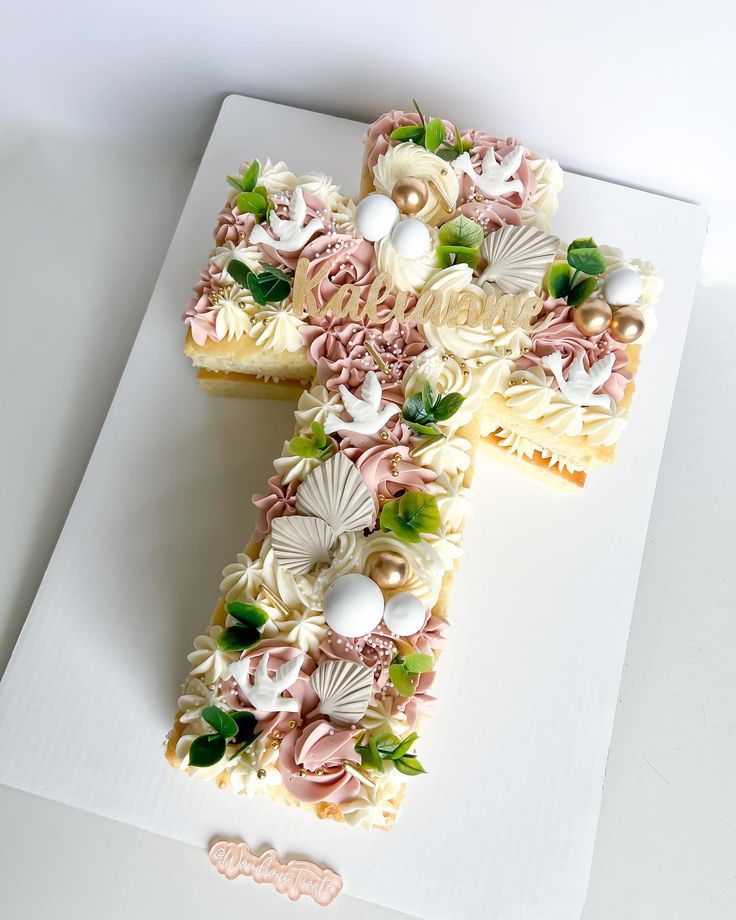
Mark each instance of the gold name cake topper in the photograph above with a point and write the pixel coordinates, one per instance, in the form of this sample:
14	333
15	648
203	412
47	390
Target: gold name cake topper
296	878
440	308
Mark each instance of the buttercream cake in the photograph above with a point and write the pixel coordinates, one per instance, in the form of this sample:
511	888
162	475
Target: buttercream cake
437	314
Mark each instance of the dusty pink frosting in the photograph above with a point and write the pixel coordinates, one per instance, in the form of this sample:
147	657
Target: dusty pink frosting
377	139
319	746
200	315
559	333
373	458
279	501
375	651
230	223
421	704
430	637
301	690
337	349
353	261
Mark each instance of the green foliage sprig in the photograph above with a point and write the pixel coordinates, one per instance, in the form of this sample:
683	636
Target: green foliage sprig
374	752
252	198
583	256
236	728
410	516
272	285
248	631
460	240
422	411
402	671
318	447
431	136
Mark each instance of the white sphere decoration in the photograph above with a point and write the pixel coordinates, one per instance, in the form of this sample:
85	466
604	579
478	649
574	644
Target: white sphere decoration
353	605
376	216
622	287
404	614
411	238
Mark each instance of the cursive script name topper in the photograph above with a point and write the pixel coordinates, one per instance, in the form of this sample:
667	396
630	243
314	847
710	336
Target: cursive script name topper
440	308
296	878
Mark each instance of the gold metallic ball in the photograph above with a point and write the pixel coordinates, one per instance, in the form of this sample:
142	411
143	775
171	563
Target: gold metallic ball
627	324
410	194
592	317
388	570
261	774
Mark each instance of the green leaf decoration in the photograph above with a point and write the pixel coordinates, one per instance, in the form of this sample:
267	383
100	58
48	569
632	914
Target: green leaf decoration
401	679
447	406
408	133
418	663
370	756
318	446
276	272
403	748
557	280
581	292
434	134
459	254
272	288
262	191
585	256
461	231
411	515
236	182
409	765
246	724
387	744
414	410
207	750
254	286
447	154
251	203
426	431
248	614
238	638
238	272
220	721
250	177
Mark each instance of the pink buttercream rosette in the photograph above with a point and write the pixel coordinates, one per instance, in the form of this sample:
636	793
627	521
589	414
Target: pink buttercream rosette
200	314
557	332
279	501
374	651
312	763
379	133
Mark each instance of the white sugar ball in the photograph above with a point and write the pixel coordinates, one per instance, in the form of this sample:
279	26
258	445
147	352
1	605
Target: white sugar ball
404	614
411	238
376	216
353	605
622	287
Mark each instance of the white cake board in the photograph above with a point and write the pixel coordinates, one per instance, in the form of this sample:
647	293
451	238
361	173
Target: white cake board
504	823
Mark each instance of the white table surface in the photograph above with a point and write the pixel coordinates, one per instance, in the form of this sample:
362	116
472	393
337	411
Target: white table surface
668	826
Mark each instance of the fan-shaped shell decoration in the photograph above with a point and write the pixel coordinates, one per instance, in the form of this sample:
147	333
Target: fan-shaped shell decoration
299	543
344	689
335	492
517	258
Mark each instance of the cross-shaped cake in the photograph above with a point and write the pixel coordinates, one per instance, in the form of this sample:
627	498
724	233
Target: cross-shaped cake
436	315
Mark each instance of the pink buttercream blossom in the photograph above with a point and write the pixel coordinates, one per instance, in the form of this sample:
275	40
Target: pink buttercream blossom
279	501
232	226
421	703
557	332
200	314
374	650
378	459
430	637
379	133
312	763
300	690
492	213
352	261
337	348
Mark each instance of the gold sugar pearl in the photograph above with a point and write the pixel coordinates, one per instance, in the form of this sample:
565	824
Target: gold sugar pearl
261	774
302	773
384	435
277	736
292	723
395	473
397	458
319	771
507	351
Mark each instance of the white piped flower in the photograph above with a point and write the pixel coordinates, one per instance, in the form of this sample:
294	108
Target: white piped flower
381	717
195	697
276	328
255	760
304	629
193	731
375	806
208	660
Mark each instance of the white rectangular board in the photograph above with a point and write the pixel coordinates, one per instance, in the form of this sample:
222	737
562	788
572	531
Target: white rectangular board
503	825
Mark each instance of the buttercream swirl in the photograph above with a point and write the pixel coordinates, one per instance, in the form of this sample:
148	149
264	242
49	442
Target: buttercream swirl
312	763
409	159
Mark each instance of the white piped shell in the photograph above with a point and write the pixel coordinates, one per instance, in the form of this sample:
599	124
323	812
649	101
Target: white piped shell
517	258
344	689
335	492
300	543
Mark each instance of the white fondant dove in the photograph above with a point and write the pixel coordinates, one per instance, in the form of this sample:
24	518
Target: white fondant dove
580	384
367	416
265	692
495	178
290	235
